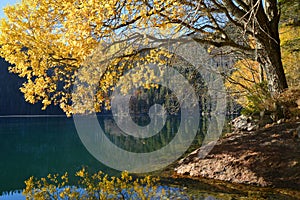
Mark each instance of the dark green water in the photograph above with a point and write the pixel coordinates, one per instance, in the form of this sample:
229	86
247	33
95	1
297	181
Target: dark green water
37	146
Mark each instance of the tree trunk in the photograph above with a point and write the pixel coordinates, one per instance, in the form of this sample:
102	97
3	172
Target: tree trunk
270	55
270	58
271	61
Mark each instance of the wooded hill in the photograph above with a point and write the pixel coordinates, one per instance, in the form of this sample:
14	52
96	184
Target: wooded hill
12	100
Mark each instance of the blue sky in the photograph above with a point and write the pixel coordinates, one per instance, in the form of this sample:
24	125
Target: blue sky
3	3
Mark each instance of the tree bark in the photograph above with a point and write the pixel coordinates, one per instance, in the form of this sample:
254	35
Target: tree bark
270	58
270	54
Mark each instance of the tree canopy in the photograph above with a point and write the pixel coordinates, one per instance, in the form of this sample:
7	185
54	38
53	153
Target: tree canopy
289	12
290	40
46	41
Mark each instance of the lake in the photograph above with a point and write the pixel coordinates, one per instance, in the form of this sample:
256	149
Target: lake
37	146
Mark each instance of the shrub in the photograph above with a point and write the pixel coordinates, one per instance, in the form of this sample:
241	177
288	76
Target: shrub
98	186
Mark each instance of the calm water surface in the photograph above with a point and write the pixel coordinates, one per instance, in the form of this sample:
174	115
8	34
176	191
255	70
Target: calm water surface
37	146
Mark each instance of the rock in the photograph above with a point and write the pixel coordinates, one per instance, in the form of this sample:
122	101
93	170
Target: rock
252	127
265	157
244	123
223	167
280	121
240	122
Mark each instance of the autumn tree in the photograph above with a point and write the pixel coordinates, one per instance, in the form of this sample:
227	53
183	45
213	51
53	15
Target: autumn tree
289	11
246	79
290	40
46	41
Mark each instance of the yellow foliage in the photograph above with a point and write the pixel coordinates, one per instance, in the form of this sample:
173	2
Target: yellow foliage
243	80
245	85
95	186
46	41
290	50
290	100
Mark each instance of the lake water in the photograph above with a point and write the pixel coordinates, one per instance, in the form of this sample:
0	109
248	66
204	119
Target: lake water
37	146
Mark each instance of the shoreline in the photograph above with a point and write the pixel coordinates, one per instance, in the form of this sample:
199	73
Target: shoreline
267	157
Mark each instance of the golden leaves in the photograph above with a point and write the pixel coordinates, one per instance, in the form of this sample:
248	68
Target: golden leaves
244	79
290	51
46	41
110	187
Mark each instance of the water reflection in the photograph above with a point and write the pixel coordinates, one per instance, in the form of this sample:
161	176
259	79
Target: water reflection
136	144
174	193
15	195
39	146
42	145
124	151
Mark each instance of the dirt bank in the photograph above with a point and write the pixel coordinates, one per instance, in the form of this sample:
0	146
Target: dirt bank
269	156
